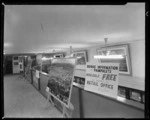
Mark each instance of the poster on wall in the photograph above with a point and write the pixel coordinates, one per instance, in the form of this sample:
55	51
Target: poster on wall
81	57
102	78
125	63
61	78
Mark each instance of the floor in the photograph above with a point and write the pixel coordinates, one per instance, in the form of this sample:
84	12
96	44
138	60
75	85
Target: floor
22	100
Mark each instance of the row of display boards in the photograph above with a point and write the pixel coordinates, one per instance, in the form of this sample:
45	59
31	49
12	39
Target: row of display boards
63	73
100	78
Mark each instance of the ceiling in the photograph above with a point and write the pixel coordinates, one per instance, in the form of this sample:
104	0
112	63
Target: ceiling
44	28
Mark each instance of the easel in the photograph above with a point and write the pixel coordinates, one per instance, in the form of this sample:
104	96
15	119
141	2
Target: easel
49	97
67	111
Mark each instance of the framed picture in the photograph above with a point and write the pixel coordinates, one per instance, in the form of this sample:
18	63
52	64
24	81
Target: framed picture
81	59
39	62
58	56
125	64
45	65
79	82
121	91
143	98
135	95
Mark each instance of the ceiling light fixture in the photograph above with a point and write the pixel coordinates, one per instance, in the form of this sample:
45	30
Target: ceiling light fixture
106	54
45	58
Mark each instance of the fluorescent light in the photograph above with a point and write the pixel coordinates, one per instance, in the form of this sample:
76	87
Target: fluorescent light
44	58
108	56
79	57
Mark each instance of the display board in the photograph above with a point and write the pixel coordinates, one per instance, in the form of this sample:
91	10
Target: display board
61	78
15	62
81	57
39	62
102	78
45	65
28	66
37	73
36	79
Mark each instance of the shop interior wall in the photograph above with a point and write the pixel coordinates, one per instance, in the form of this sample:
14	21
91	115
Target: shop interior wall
99	106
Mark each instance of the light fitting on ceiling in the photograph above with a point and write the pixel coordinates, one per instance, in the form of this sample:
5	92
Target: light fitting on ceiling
106	54
45	58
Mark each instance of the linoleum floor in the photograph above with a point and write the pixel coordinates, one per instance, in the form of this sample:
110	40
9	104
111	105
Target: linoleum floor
22	100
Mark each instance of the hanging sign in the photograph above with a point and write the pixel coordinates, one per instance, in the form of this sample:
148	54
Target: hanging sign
102	78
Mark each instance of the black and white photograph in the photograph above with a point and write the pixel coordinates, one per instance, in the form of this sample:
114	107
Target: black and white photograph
79	82
77	60
125	66
81	59
61	78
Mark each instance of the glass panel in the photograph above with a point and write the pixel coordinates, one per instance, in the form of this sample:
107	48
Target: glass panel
122	92
143	98
135	95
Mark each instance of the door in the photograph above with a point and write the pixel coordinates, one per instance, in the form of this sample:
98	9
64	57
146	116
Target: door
16	66
8	65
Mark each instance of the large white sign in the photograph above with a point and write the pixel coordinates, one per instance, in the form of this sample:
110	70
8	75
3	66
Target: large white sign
102	78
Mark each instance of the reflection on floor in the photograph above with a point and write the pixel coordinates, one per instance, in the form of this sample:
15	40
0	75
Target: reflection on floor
22	100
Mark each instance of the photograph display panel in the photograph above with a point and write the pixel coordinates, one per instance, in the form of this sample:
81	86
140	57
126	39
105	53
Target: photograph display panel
46	65
39	62
61	78
28	67
124	64
35	80
81	59
58	56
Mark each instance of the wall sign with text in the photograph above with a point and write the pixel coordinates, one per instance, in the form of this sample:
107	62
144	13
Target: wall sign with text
102	78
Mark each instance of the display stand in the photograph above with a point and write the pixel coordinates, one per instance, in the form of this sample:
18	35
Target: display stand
49	97
67	111
25	76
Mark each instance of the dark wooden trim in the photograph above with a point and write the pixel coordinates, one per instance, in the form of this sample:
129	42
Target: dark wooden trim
39	83
80	103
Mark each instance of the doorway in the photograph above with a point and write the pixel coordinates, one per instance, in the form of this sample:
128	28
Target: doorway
8	65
